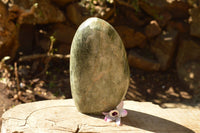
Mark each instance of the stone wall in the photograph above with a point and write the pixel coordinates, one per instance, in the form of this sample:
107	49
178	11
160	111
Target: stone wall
157	34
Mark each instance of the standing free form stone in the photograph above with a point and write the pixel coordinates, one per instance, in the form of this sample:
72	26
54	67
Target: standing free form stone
99	71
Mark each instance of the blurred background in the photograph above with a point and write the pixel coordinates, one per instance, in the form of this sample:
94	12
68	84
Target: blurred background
161	37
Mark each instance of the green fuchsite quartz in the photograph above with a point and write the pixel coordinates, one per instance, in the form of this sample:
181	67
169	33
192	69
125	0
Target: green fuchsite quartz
99	70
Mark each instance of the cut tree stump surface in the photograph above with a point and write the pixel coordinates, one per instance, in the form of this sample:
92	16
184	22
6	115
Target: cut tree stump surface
61	116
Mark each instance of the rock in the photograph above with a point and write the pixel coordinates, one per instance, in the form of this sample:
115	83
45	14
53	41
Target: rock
37	12
133	18
188	51
188	63
44	43
139	39
153	7
179	9
8	34
99	71
63	33
26	38
163	18
61	116
126	34
62	2
181	27
76	13
164	48
64	49
138	61
131	38
192	3
156	9
153	29
79	11
131	14
195	23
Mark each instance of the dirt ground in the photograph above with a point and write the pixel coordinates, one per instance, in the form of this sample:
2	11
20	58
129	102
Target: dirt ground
158	87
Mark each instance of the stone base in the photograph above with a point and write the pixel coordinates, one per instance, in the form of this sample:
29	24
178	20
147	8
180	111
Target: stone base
61	116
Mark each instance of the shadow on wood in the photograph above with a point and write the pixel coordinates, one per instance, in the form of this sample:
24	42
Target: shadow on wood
153	123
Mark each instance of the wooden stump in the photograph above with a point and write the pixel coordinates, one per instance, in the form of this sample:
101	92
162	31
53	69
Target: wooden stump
61	116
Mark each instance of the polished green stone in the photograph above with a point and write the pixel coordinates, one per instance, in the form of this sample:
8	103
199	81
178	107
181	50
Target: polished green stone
99	71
